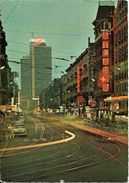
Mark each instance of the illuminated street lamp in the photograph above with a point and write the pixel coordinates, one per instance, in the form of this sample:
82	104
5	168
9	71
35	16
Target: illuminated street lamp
118	68
93	79
1	68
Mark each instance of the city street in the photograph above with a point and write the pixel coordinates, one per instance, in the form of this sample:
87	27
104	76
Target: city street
63	91
74	156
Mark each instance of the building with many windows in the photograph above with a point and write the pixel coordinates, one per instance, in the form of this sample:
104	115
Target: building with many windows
26	81
41	66
36	71
78	81
120	60
103	65
98	77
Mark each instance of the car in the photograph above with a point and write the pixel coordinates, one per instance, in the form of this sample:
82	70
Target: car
20	130
19	122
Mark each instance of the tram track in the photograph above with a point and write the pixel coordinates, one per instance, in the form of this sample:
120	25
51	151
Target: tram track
87	165
74	165
16	152
52	164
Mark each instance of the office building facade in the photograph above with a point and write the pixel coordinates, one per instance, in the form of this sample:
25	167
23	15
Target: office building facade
26	81
36	72
41	67
120	31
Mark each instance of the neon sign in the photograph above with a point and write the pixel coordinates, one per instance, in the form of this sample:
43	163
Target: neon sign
78	79
38	40
105	61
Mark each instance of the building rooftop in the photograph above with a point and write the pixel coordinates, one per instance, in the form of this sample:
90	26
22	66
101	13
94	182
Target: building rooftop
90	44
103	12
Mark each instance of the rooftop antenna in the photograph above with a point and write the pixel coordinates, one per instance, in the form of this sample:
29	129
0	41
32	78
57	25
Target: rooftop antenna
32	35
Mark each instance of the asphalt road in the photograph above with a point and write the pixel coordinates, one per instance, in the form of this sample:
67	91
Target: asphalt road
86	158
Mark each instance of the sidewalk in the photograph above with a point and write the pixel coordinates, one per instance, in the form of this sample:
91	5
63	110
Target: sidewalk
114	134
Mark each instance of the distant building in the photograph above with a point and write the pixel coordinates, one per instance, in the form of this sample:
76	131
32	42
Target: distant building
52	95
41	66
77	83
26	81
36	71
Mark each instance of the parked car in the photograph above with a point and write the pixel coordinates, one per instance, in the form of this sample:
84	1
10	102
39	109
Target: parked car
19	122
20	130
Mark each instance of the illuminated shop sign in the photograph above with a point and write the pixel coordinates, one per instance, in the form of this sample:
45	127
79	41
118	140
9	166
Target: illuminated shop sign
38	40
80	100
78	79
105	61
105	87
105	35
105	53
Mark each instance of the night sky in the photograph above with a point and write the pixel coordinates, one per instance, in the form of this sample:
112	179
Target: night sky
64	24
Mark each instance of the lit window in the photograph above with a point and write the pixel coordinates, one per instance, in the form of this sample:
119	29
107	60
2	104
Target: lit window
105	53
105	35
105	44
106	70
105	87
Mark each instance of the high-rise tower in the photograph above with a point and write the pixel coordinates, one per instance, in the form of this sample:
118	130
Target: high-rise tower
26	81
36	71
41	65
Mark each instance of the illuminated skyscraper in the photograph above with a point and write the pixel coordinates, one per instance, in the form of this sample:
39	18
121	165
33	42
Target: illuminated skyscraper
36	70
26	81
41	65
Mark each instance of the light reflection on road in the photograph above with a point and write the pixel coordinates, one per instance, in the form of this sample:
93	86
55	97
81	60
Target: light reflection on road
72	136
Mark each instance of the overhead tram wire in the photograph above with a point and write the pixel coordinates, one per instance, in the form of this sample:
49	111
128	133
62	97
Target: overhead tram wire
15	62
11	12
55	34
15	59
57	58
16	51
52	49
50	68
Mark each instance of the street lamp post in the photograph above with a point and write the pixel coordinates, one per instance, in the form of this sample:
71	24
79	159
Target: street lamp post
38	102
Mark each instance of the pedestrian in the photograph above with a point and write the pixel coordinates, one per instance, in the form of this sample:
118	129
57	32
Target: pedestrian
2	117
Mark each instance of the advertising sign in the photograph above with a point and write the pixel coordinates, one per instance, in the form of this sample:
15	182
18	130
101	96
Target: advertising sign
78	79
80	100
105	61
38	40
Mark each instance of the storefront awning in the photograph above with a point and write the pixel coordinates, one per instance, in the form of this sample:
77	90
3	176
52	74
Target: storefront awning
115	99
